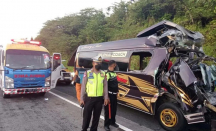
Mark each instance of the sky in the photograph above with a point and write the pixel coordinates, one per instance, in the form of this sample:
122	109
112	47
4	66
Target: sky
25	18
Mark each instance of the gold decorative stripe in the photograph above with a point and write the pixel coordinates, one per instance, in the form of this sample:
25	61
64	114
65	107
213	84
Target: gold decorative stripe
134	103
147	90
181	91
137	80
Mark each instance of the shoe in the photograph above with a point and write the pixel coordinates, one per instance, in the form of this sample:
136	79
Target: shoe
106	128
115	125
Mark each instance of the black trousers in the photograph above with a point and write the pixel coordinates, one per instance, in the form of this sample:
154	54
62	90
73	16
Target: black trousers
113	104
92	104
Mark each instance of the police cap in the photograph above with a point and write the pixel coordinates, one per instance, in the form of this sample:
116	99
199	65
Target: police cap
97	59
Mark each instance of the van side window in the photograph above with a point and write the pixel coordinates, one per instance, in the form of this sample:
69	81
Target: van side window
135	62
121	66
85	62
139	60
104	66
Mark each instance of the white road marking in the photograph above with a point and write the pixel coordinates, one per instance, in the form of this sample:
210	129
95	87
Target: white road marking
75	104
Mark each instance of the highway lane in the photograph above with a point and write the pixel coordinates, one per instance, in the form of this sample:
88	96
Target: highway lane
32	112
56	112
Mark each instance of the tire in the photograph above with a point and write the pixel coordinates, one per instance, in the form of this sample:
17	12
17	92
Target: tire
42	93
171	113
5	95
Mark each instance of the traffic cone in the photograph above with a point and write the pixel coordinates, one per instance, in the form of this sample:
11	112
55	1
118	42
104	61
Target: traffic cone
109	111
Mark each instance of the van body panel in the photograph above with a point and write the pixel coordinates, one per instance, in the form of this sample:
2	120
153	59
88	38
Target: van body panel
136	90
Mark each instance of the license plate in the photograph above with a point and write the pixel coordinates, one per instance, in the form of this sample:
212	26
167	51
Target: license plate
31	90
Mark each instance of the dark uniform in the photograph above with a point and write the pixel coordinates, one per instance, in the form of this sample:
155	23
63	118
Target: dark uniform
93	92
112	92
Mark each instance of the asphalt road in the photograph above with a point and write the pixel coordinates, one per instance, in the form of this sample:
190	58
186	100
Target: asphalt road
57	111
142	119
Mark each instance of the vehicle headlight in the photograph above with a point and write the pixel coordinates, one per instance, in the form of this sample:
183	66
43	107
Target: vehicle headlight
47	81
9	82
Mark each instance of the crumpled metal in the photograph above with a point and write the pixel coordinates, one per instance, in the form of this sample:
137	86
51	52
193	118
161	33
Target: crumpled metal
206	74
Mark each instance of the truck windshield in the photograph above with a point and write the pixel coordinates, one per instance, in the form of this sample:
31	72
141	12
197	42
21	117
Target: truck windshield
25	59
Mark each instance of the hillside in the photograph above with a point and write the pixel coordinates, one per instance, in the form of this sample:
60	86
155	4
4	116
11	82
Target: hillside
126	20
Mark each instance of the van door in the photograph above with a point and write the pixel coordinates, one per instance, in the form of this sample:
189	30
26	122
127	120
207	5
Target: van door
136	88
56	69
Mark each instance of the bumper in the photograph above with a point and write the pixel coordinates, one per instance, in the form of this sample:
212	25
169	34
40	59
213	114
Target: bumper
26	90
200	117
195	118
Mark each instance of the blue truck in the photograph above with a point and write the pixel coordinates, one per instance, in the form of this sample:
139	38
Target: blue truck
26	67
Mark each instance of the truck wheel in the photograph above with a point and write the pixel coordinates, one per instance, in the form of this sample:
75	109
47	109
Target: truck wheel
5	95
42	93
171	118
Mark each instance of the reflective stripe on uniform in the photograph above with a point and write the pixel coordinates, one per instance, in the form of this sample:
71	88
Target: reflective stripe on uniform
112	74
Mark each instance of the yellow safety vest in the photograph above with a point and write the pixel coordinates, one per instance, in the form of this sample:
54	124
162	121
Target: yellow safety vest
94	86
110	74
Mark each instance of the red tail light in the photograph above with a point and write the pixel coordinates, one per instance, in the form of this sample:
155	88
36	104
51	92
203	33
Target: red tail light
56	56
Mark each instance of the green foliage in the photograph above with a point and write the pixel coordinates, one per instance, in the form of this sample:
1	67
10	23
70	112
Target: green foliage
70	68
135	62
124	20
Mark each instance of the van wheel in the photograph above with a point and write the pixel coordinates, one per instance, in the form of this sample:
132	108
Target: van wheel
171	118
5	95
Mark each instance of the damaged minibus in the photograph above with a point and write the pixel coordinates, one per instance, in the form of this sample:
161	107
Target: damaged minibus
178	94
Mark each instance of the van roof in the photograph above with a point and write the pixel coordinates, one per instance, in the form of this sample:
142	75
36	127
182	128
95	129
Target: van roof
143	42
169	25
127	44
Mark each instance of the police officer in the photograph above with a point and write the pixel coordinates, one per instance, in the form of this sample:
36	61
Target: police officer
112	90
94	94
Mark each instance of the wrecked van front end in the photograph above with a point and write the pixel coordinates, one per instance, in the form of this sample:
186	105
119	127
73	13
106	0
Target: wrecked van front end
196	96
189	84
